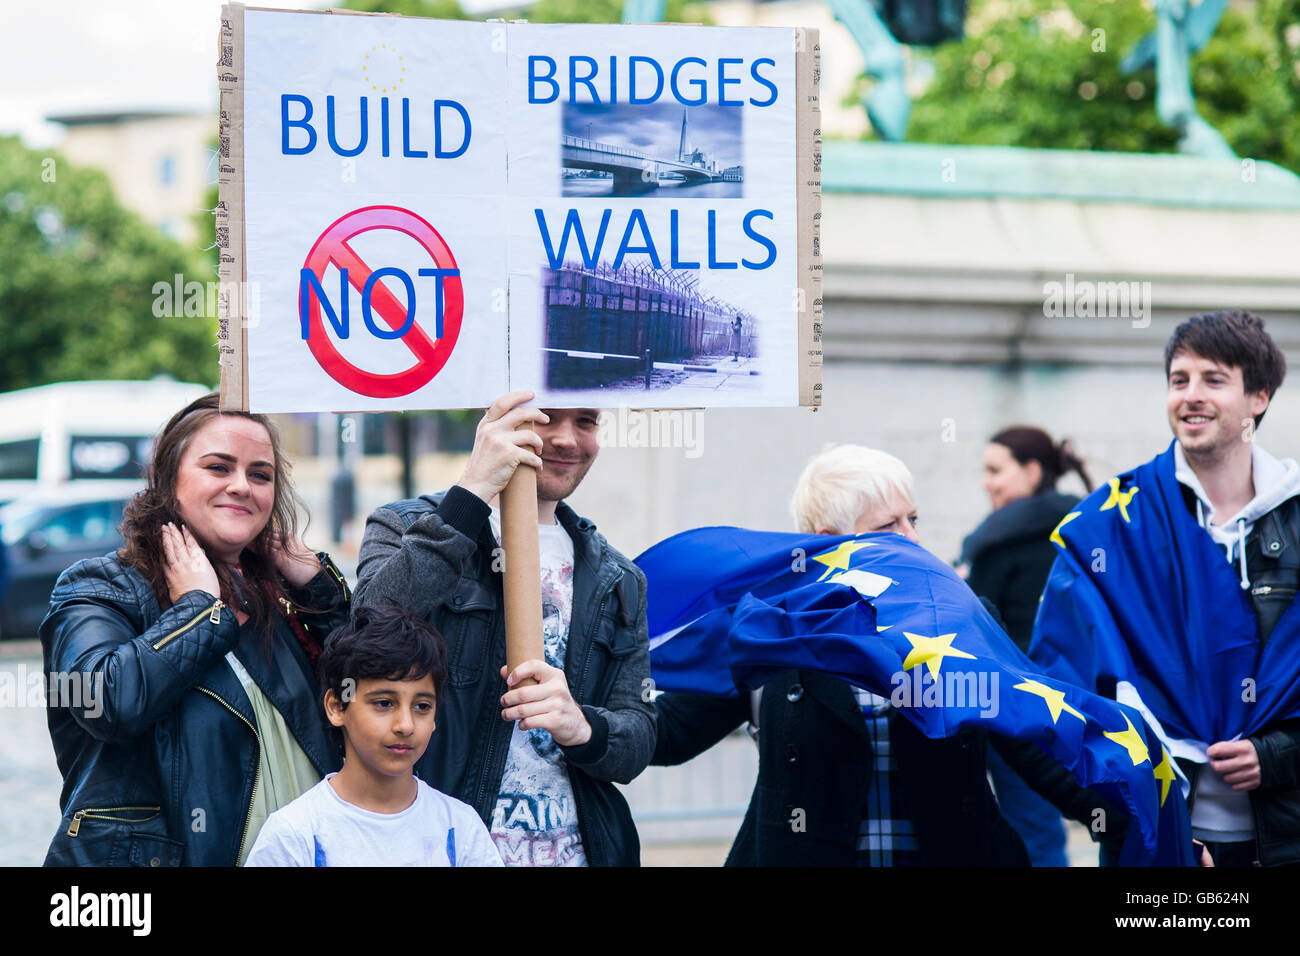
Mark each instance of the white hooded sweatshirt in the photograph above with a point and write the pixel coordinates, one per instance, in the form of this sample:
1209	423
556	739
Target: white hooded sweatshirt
1275	482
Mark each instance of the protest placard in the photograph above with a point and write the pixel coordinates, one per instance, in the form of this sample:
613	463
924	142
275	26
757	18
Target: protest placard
423	214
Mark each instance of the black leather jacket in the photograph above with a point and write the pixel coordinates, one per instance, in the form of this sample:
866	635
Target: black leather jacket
434	555
156	740
815	755
1010	558
1273	569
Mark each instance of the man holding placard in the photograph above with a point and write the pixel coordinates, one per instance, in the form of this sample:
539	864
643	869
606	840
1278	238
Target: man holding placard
443	169
536	760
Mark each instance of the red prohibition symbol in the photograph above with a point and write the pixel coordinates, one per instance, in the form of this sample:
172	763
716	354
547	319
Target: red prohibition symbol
430	353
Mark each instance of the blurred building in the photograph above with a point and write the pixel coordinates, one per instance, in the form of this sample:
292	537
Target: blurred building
160	162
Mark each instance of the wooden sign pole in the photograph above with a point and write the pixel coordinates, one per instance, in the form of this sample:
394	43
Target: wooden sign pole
523	569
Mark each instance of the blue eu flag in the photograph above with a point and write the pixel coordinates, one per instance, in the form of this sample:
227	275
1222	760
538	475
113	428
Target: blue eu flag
1142	606
729	608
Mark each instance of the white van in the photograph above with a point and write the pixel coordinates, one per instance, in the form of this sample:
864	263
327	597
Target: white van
83	432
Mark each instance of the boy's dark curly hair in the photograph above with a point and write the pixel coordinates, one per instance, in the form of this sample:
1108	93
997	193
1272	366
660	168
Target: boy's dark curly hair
385	642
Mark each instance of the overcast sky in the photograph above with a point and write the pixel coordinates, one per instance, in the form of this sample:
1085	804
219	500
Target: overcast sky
66	56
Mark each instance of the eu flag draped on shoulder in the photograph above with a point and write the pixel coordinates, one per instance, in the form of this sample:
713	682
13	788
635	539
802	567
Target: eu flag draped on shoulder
1141	605
730	608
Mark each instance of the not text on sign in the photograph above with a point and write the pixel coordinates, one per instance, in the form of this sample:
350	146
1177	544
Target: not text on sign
334	270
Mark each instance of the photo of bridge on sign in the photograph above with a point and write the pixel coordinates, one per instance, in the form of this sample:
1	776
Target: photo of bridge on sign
655	150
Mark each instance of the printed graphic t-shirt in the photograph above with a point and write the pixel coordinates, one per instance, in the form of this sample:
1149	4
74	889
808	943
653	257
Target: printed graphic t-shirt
535	820
320	828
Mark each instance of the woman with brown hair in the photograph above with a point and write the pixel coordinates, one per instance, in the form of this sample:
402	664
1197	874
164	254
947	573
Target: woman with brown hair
1009	557
188	708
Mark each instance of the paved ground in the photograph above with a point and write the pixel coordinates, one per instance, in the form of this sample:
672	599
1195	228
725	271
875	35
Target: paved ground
719	782
29	777
1081	850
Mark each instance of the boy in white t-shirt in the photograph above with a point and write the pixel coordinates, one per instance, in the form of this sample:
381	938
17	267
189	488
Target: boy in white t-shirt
383	673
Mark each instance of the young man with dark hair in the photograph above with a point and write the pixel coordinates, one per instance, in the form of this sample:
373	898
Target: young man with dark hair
1170	591
1232	339
537	762
383	673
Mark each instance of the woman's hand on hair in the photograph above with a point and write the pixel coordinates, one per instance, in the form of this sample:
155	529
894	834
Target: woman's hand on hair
186	564
295	563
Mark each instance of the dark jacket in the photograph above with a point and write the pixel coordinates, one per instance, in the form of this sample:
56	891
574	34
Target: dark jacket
815	755
154	735
1010	556
435	555
1273	568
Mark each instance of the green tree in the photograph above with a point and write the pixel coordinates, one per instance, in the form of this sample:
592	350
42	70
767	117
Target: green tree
441	9
602	11
76	291
1247	81
543	11
1045	73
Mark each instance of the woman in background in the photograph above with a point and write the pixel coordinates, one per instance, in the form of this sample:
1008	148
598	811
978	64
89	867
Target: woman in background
1008	558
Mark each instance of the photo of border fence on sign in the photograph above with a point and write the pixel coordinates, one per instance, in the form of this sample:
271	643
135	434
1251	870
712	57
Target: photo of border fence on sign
423	214
642	328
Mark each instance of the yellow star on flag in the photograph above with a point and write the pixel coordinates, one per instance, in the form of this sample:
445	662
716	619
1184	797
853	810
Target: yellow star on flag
1055	699
931	651
1055	536
838	560
1164	772
1131	741
1119	499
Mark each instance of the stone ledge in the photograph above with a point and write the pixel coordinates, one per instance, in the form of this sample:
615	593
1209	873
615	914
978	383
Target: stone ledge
928	169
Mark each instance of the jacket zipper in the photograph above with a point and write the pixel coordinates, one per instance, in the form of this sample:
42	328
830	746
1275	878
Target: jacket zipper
102	813
488	769
333	569
588	850
1266	589
214	617
257	776
591	634
327	565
